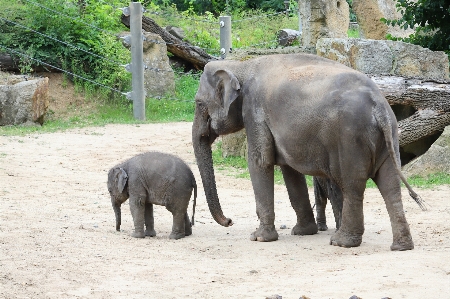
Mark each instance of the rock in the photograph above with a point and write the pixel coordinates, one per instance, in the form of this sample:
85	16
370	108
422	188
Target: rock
274	297
159	78
369	13
286	37
23	100
385	57
235	144
323	18
436	159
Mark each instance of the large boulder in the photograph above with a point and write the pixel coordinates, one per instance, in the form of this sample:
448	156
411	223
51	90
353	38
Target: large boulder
436	159
23	100
159	78
369	14
323	18
235	144
385	57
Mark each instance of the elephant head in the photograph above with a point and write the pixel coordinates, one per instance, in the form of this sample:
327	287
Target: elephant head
218	111
117	181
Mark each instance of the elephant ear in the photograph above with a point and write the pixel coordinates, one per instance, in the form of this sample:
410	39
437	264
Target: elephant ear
123	178
229	86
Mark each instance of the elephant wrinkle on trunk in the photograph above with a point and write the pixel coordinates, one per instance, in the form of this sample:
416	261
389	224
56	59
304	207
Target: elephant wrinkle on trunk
308	115
153	178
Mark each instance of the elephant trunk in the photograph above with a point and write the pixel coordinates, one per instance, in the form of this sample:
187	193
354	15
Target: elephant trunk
202	149
118	214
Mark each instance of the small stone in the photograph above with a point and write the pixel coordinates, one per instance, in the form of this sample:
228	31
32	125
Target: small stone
283	226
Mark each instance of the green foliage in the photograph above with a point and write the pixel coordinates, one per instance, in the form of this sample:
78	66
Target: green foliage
429	18
352	13
67	24
430	180
169	110
203	31
217	7
353	33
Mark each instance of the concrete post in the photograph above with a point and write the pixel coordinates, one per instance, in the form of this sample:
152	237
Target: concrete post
137	63
225	36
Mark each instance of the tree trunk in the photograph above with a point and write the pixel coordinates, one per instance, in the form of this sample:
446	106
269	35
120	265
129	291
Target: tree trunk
177	47
422	107
7	63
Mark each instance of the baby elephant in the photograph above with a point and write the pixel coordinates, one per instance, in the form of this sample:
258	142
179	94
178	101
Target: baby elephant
153	178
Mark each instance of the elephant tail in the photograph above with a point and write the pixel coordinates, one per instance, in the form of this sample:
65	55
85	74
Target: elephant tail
385	124
195	200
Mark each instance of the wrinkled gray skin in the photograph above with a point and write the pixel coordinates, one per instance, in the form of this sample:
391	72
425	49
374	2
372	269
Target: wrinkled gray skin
153	178
325	189
309	115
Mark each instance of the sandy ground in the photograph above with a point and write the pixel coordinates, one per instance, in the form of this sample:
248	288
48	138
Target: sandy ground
58	238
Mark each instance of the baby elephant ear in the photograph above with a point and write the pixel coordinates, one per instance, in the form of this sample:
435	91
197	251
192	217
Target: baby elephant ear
123	178
231	88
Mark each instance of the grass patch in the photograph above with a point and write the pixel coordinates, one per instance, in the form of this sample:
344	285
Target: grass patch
118	110
430	181
353	33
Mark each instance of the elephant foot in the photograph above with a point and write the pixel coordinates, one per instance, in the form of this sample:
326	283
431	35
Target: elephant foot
265	233
188	231
150	232
177	236
138	234
401	245
322	226
309	229
345	240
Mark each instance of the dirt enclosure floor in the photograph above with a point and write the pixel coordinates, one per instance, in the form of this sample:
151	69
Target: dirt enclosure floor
58	238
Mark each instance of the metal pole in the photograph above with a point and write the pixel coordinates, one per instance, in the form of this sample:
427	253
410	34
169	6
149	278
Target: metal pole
225	36
137	61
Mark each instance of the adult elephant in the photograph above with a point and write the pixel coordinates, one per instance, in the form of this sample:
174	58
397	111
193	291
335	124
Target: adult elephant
309	115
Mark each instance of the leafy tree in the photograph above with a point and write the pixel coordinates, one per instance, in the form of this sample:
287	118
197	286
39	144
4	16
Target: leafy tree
57	33
429	18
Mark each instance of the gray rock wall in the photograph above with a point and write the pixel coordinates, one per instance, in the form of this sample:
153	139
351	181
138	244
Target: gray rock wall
385	57
323	18
369	13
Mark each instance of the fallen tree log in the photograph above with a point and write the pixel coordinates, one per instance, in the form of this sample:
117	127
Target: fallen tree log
195	55
7	63
422	106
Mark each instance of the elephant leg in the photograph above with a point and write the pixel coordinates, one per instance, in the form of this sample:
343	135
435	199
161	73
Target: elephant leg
137	209
352	223
299	197
149	220
321	203
187	225
388	183
336	200
178	227
263	187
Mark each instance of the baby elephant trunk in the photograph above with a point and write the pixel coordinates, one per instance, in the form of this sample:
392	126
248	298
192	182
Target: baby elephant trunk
118	213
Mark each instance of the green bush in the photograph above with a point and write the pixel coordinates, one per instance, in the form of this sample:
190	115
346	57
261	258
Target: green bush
89	29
